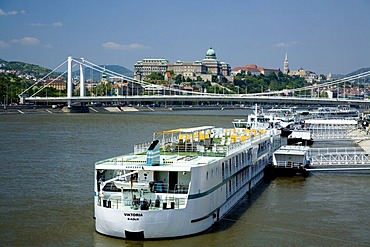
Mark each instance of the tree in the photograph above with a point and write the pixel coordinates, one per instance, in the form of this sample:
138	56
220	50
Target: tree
154	76
322	77
178	79
10	86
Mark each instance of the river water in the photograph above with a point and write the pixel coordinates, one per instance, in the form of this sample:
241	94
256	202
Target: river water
47	166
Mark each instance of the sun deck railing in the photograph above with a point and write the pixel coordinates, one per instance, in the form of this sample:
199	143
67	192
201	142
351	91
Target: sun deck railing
236	147
153	202
121	159
288	164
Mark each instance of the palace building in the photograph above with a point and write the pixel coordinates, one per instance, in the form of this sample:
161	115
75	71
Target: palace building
209	68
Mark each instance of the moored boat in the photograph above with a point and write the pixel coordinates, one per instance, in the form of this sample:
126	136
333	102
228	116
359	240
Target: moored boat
292	160
180	183
278	118
300	137
341	111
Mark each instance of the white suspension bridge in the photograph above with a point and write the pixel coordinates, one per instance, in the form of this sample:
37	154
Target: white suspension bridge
168	94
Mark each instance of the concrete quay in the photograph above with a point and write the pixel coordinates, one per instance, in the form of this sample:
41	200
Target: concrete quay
365	142
365	145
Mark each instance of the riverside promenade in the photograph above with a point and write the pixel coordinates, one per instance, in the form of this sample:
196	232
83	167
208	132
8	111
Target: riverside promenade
364	143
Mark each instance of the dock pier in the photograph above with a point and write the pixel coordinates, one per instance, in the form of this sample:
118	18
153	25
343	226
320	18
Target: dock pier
329	159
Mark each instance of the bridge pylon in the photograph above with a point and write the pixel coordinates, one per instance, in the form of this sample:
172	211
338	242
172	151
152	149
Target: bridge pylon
69	82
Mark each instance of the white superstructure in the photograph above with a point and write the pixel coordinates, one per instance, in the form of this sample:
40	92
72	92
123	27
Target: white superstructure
181	183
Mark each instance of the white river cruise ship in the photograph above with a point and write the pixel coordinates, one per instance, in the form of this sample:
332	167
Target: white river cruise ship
180	183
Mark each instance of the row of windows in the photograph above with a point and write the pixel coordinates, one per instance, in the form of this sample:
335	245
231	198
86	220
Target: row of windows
235	163
241	160
243	177
181	69
237	182
207	176
162	69
263	147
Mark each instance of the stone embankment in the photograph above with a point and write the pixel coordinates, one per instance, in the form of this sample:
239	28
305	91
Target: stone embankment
27	109
365	142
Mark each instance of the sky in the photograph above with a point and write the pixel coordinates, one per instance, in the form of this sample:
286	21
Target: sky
323	36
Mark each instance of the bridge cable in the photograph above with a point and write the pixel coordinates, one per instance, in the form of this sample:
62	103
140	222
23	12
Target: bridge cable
42	78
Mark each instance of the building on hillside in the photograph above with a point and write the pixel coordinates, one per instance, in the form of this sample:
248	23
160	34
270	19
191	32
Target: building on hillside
248	69
146	66
267	72
58	84
309	76
208	69
252	69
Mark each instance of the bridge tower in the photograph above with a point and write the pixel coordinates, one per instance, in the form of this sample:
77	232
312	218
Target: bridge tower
69	82
82	78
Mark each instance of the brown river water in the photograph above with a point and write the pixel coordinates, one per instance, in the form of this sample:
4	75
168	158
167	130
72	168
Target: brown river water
47	166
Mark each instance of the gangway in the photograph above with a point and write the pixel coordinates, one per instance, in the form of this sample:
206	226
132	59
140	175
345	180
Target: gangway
324	129
339	159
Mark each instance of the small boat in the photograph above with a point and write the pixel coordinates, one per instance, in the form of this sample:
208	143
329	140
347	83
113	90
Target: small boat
300	137
285	116
260	120
291	160
286	131
341	111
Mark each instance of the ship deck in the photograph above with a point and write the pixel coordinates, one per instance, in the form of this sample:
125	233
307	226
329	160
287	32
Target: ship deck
190	147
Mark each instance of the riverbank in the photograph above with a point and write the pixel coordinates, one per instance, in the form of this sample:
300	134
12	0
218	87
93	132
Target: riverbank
364	144
30	109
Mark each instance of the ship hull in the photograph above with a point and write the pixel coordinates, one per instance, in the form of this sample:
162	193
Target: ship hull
138	225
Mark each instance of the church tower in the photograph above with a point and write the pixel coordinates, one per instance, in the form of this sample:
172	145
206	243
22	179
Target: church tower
286	64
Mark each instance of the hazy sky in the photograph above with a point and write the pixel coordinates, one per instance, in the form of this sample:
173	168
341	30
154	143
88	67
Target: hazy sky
319	35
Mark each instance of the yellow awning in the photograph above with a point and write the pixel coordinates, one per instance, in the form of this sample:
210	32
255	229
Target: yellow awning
184	130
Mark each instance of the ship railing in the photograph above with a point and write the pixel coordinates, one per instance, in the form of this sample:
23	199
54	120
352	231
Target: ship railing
141	147
288	164
181	189
116	160
236	147
159	187
233	148
340	150
153	202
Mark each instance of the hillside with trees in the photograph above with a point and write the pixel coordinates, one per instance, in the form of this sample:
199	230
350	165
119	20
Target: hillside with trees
243	83
22	68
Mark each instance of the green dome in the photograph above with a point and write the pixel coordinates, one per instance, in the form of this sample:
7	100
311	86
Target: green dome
211	53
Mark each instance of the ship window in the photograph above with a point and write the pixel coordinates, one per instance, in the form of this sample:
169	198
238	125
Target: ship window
207	176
